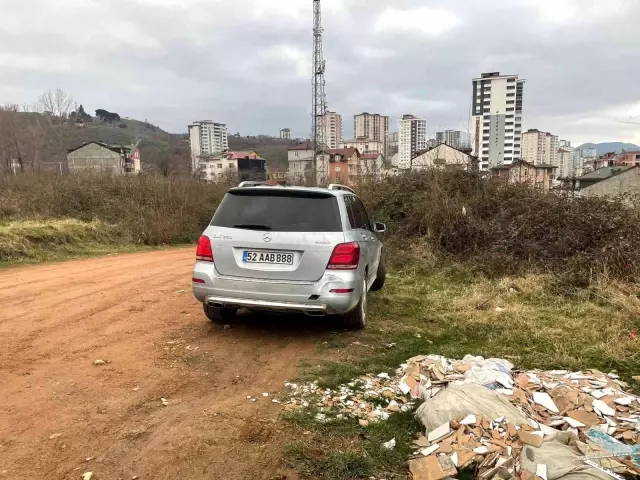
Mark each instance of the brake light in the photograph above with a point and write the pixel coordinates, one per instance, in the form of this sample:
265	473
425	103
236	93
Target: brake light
345	256
204	252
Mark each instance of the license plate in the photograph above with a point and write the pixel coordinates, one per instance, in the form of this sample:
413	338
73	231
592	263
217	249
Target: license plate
274	258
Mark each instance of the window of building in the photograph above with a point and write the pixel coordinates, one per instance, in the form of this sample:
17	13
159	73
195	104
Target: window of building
232	165
219	165
511	94
511	80
510	109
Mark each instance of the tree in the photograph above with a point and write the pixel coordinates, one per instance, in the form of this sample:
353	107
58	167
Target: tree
56	103
107	116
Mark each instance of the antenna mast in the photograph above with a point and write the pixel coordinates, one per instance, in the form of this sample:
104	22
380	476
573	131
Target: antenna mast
319	105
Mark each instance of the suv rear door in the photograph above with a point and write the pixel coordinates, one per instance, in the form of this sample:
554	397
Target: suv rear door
299	227
360	222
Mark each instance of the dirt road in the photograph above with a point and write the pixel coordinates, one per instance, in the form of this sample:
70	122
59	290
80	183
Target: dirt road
137	313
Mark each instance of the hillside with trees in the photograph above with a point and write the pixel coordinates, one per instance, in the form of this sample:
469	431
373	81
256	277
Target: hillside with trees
36	137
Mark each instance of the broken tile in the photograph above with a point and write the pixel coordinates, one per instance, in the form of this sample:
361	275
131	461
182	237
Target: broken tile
573	422
438	433
588	418
468	420
530	438
601	407
429	468
429	450
545	400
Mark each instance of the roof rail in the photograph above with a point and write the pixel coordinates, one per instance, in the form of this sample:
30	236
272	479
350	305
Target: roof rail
251	183
337	186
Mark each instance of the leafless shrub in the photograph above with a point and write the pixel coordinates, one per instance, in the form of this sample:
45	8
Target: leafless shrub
509	229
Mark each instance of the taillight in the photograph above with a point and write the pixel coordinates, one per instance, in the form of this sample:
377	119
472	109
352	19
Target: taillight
204	252
345	256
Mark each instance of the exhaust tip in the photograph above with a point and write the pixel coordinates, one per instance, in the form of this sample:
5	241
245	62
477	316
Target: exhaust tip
316	313
216	305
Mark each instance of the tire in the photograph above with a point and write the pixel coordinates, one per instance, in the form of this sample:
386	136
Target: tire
356	319
381	275
220	316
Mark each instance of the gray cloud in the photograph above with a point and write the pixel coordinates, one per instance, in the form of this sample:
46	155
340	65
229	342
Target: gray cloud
247	62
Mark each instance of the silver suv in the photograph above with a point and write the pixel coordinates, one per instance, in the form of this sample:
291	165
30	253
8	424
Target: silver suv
289	249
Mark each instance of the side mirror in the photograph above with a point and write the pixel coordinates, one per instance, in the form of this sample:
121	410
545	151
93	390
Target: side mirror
379	227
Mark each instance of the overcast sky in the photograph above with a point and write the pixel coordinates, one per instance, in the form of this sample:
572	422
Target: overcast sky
247	63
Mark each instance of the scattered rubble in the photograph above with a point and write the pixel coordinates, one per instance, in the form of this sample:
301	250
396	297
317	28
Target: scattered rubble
99	362
165	402
53	436
497	415
390	445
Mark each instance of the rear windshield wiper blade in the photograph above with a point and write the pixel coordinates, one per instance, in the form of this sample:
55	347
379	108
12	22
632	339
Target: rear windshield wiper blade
253	226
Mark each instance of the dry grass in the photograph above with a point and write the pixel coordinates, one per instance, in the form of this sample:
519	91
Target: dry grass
29	241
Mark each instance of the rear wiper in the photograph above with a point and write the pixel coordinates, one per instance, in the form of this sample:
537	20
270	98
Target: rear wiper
252	226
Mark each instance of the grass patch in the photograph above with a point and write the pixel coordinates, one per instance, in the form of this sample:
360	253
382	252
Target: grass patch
340	450
532	321
35	241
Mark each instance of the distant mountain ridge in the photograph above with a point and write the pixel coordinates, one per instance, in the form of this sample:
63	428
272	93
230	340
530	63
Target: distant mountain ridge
606	147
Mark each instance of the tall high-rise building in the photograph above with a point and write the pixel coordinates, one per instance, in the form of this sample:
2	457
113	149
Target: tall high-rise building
540	148
454	138
285	133
374	127
496	122
208	138
413	138
331	124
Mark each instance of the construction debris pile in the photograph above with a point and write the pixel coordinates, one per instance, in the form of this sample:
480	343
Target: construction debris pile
482	413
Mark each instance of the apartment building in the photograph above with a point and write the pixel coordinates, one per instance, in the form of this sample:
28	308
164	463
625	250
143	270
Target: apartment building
521	171
565	163
540	148
496	122
364	145
412	139
372	126
454	138
247	165
331	124
300	159
393	139
207	138
285	133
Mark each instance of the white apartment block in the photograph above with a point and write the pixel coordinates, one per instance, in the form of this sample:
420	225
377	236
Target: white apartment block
454	138
566	168
540	148
207	138
372	126
285	133
412	139
496	122
364	145
331	124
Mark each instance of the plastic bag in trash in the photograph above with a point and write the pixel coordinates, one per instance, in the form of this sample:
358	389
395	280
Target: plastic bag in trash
492	372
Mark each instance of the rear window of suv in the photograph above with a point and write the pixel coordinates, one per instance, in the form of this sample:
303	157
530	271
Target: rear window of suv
279	211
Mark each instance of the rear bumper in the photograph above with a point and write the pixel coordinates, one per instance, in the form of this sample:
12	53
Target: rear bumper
311	309
311	298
